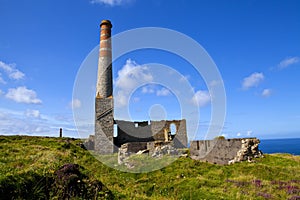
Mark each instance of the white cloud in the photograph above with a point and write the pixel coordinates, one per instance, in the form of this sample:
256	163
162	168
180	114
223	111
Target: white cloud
214	83
13	122
130	77
12	71
238	134
111	2
163	92
31	122
16	122
287	62
249	133
121	99
136	99
253	80
148	90
184	78
23	95
32	113
2	80
75	103
224	135
16	75
5	67
201	98
266	92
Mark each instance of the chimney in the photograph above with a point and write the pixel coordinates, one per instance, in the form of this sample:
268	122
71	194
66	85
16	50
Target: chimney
60	132
104	81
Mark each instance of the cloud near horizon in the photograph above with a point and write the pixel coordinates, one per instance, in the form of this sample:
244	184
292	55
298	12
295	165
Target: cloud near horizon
253	80
33	113
249	133
31	122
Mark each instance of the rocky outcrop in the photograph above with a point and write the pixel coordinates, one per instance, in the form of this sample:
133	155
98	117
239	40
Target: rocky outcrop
248	151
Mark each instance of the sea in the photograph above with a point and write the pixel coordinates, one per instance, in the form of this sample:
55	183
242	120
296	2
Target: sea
291	146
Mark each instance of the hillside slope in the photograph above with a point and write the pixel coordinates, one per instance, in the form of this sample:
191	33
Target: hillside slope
56	168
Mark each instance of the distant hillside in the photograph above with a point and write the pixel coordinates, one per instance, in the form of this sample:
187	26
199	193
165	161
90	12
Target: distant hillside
58	168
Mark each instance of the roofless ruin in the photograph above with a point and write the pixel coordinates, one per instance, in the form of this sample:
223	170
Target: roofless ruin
139	133
144	136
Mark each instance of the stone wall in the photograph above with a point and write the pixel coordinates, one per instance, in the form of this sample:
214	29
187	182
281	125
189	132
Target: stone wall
225	151
154	131
180	140
132	132
104	125
89	143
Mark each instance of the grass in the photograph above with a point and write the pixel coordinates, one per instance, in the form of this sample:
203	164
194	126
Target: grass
28	166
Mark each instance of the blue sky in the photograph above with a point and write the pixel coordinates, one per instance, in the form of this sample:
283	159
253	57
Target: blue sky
254	44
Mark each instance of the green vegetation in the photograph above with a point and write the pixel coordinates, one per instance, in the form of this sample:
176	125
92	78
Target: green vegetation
221	137
42	168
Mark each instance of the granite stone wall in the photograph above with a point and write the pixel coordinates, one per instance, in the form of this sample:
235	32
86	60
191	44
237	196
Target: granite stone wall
154	131
104	126
225	151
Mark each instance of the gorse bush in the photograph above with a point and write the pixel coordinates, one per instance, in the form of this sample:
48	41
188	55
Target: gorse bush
221	137
69	182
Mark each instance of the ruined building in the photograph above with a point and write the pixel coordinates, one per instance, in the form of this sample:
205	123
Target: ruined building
140	134
144	136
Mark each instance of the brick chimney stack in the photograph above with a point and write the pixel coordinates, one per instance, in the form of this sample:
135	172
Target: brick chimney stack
104	81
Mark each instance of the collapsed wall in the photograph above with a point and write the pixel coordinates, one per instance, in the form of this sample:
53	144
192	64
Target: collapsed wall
225	151
154	149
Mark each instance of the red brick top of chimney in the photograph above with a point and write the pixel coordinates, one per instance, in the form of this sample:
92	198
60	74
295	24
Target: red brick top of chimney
106	22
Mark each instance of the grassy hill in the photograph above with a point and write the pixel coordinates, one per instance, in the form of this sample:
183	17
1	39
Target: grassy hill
58	168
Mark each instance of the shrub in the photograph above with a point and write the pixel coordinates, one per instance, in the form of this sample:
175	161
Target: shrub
221	137
70	182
